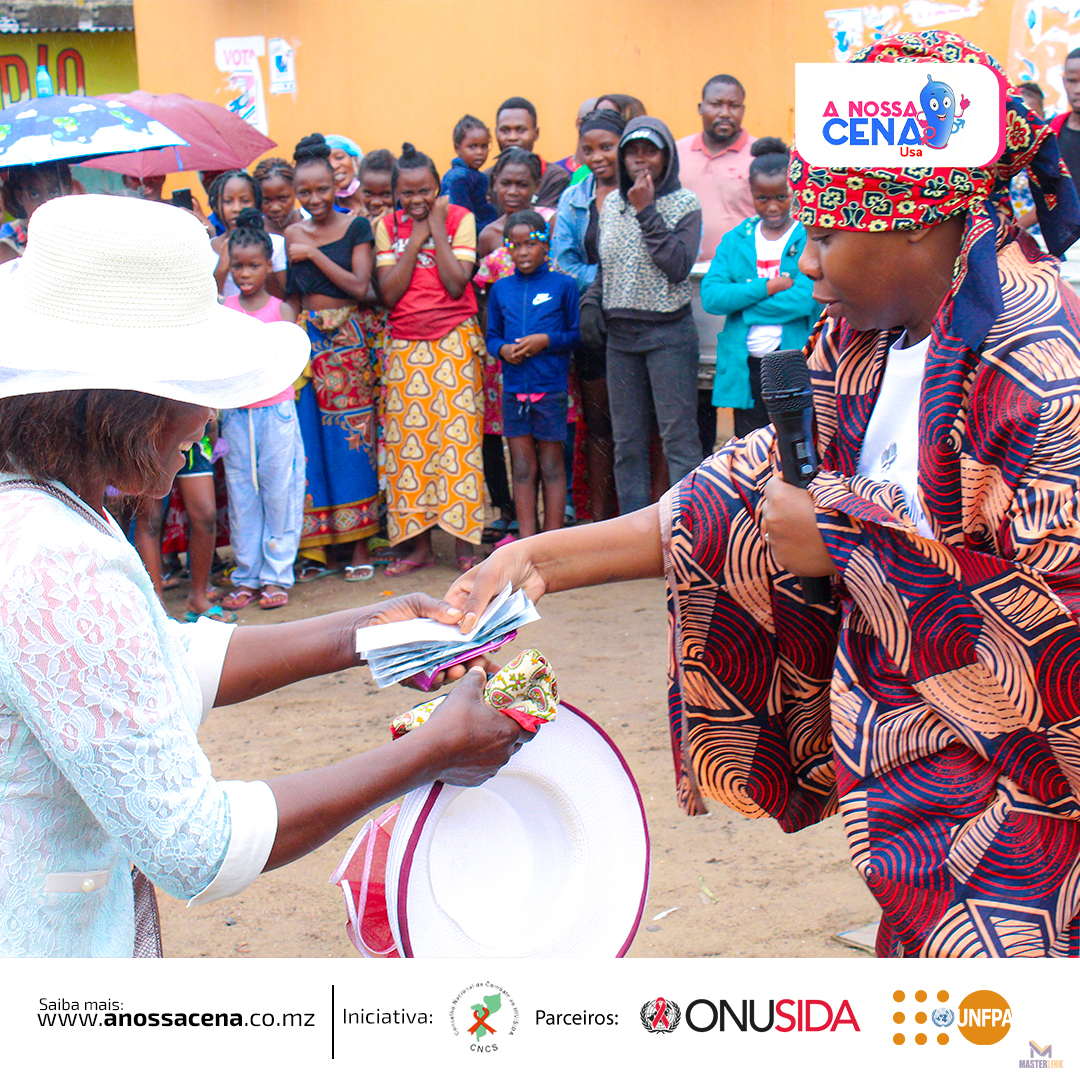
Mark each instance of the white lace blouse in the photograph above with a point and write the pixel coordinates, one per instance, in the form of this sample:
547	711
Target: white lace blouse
100	698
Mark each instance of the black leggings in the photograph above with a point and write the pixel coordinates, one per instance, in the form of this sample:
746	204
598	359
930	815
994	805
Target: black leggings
495	476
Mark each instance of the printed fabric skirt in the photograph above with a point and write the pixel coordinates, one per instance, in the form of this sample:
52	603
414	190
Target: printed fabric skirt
434	433
336	409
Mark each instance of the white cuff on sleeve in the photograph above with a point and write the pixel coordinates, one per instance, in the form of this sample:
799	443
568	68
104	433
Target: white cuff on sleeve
206	642
253	811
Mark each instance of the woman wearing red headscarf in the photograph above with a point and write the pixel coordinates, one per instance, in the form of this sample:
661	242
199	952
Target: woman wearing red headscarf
935	701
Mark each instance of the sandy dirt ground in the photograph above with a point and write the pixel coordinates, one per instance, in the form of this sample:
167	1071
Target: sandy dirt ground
738	888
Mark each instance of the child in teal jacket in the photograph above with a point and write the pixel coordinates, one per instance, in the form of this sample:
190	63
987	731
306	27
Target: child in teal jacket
754	280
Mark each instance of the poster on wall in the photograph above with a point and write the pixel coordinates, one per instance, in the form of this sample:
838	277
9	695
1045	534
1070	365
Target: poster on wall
239	59
282	67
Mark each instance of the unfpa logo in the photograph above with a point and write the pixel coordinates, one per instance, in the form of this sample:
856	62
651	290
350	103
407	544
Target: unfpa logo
942	1017
983	1017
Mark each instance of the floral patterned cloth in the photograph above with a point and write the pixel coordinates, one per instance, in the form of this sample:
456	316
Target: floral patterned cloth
524	689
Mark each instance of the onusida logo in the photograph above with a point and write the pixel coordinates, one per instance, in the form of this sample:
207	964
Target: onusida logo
783	1015
660	1016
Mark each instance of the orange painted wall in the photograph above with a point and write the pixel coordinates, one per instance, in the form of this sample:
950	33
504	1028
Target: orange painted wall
383	71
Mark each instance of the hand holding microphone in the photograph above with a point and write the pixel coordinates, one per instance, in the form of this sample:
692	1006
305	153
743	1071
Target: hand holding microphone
789	518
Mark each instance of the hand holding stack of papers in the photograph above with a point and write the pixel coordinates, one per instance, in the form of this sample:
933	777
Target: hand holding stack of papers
400	650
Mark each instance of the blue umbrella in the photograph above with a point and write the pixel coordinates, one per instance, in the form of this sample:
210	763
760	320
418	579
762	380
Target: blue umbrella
70	127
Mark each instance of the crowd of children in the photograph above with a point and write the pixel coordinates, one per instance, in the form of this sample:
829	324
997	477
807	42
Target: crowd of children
451	316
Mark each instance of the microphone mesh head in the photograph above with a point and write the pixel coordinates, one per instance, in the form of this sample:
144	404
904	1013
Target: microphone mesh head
785	381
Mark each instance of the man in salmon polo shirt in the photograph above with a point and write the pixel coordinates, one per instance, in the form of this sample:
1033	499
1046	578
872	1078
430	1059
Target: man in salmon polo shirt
714	162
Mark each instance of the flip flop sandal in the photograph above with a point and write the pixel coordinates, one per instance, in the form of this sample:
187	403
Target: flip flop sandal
363	572
216	613
238	600
312	571
467	562
496	530
407	565
273	596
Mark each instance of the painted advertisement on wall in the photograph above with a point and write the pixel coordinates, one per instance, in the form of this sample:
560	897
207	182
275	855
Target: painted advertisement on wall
76	63
1044	32
853	28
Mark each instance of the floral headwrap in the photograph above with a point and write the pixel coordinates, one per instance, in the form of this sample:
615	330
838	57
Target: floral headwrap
876	200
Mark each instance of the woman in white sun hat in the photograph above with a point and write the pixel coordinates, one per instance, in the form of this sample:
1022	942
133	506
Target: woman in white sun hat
116	352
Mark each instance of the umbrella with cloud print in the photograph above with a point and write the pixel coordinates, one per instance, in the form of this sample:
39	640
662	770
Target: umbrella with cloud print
216	138
70	127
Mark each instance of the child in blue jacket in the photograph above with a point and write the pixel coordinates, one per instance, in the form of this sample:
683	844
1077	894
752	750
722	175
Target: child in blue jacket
754	280
464	182
532	326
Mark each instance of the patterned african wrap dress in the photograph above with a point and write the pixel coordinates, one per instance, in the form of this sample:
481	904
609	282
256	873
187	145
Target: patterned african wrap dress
936	706
336	409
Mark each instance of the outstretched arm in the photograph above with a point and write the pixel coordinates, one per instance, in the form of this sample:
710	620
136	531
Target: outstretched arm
622	549
263	658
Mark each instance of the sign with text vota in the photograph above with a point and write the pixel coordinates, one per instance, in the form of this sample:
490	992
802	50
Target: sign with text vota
901	115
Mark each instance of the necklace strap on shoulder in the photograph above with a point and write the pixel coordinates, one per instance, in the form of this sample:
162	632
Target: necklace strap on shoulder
69	501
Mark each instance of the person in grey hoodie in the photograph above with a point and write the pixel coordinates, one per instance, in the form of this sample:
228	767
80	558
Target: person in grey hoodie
650	230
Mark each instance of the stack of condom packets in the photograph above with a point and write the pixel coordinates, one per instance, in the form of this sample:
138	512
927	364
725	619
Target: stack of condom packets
400	650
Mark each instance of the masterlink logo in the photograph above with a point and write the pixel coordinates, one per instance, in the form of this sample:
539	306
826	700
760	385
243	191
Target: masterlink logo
984	1018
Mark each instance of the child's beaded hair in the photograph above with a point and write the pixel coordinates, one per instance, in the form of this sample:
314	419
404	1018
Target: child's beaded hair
376	161
538	227
411	158
249	231
312	148
466	124
771	157
514	155
217	189
271	167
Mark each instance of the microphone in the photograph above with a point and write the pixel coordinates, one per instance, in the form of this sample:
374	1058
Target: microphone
789	401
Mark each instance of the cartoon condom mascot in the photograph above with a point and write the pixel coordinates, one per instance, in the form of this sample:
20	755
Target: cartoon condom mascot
939	107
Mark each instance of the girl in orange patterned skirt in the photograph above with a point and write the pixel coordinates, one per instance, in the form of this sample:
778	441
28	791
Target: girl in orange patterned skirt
424	256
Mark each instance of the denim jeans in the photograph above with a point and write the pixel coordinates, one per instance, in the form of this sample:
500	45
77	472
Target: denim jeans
264	474
652	365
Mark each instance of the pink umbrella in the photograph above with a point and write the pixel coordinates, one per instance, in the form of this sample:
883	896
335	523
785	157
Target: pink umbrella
218	139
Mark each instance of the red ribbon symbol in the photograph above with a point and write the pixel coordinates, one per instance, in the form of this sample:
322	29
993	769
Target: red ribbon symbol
480	1022
661	1015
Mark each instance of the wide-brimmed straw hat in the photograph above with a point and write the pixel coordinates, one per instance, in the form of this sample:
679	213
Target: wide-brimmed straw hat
550	857
118	294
